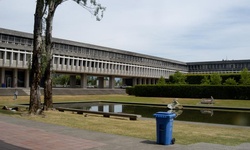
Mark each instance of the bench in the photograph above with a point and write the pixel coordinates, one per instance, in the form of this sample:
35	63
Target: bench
105	114
207	100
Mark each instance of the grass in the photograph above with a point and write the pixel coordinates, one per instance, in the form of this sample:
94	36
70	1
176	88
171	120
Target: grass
184	132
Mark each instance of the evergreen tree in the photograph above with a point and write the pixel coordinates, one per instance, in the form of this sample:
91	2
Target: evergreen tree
215	79
161	81
205	81
245	77
179	78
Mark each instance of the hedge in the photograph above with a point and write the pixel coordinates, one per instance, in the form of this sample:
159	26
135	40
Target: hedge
191	91
196	78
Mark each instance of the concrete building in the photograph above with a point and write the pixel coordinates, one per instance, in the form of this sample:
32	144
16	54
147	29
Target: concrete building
74	58
81	59
224	66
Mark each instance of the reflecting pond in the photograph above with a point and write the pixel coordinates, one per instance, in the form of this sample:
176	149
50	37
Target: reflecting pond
216	116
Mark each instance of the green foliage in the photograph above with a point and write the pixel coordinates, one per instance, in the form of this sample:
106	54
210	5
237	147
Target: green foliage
161	81
192	91
61	80
215	79
197	78
205	81
130	91
245	77
230	81
179	78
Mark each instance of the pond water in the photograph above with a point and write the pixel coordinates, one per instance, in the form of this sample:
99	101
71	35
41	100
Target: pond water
231	117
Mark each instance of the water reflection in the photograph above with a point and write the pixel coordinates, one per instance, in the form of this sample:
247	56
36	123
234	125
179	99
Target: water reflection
207	111
192	115
177	112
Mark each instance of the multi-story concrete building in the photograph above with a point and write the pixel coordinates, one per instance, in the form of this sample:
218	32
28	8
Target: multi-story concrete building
224	66
83	59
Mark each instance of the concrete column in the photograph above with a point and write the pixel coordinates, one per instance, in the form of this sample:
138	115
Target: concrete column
140	80
84	80
134	81
101	82
77	64
153	81
63	63
149	81
105	66
111	82
3	76
58	62
72	81
18	58
67	63
111	108
24	59
27	79
15	77
4	57
144	81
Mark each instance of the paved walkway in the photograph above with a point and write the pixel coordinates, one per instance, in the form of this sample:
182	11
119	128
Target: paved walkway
19	134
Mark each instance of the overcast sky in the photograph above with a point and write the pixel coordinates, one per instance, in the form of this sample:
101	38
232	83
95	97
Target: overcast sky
184	30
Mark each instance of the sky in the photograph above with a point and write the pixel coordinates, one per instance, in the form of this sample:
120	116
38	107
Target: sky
183	30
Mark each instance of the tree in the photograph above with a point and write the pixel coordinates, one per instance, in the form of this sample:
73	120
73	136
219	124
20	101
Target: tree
230	81
35	100
51	5
205	81
215	79
61	80
245	77
161	81
179	78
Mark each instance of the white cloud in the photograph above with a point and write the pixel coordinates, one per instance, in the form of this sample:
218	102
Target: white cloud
182	30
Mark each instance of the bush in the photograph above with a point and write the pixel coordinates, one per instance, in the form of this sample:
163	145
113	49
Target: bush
192	91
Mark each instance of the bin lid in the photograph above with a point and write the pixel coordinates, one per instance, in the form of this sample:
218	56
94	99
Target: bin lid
162	114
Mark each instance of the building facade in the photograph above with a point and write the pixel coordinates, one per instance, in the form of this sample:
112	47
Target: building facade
75	58
81	59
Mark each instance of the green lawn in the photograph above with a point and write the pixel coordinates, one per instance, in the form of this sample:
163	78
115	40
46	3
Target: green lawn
185	133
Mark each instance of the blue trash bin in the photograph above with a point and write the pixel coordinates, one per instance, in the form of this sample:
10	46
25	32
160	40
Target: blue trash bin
164	127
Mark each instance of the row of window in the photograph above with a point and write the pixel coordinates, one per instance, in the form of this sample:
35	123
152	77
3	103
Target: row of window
89	63
87	52
236	66
15	56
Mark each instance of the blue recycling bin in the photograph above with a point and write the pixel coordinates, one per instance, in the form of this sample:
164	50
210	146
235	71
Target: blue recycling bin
164	127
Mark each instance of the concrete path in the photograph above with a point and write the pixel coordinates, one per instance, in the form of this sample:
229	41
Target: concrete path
20	134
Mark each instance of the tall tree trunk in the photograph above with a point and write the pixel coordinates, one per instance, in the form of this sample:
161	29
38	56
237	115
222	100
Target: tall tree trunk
35	100
48	99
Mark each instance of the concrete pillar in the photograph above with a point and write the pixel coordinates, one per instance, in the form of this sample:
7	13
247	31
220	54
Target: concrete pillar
27	79
3	76
77	64
15	77
149	81
134	81
72	81
140	80
58	62
111	108
84	80
144	81
111	82
153	81
4	57
18	58
67	63
24	59
101	82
